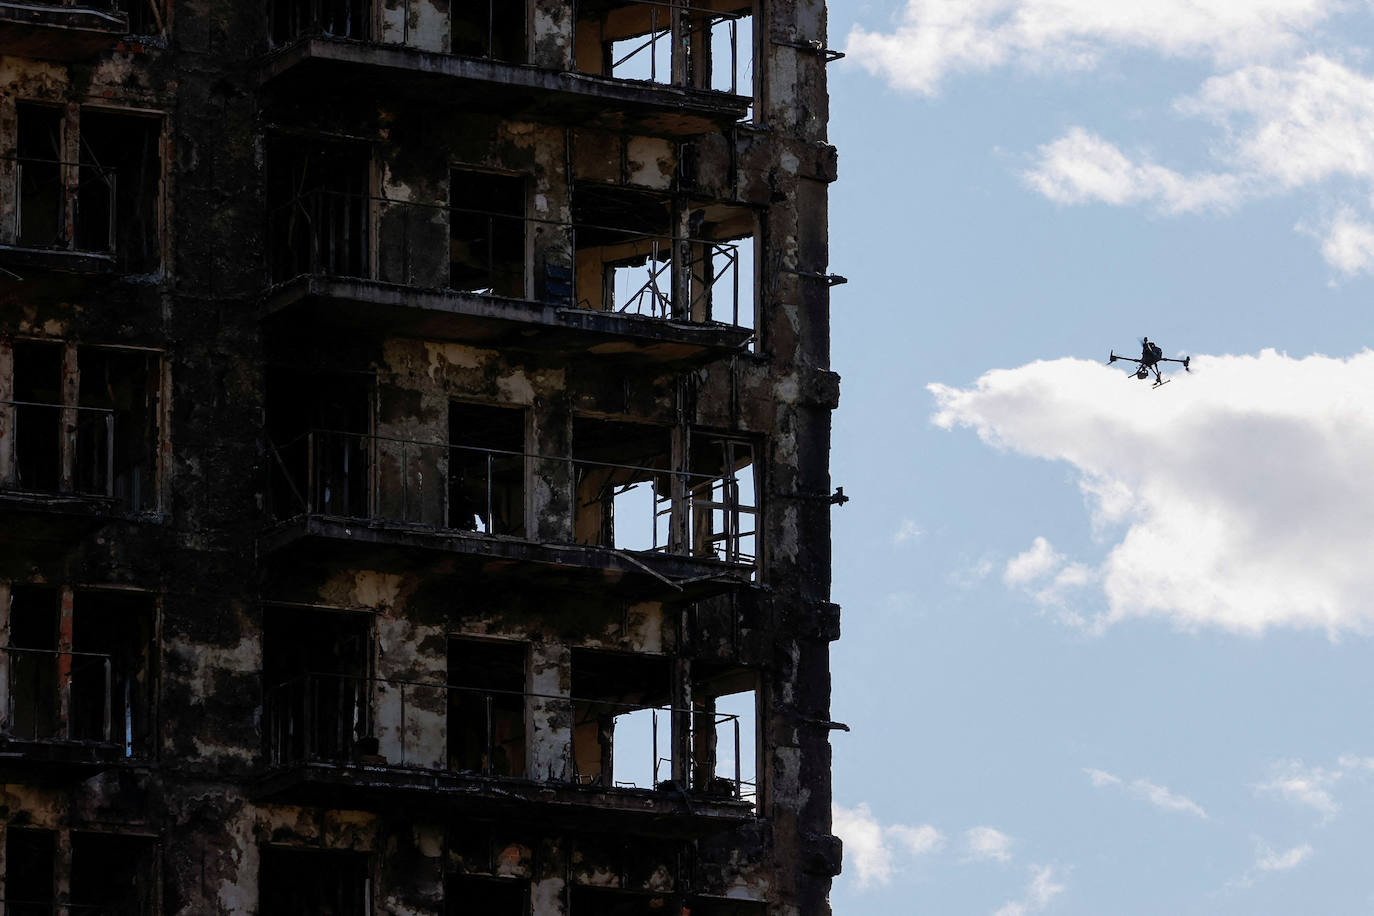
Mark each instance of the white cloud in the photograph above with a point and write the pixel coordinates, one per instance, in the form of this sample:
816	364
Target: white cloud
1304	785
987	843
1159	796
935	38
907	532
868	845
1348	243
1240	496
1270	860
1044	886
1036	563
1081	167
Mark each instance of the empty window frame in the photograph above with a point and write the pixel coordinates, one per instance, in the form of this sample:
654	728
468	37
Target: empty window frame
318	692
634	39
314	883
318	208
722	494
724	733
624	251
604	901
30	872
288	20
146	17
486	468
486	707
91	681
100	196
490	28
623	486
488	251
115	412
113	874
621	720
472	895
321	448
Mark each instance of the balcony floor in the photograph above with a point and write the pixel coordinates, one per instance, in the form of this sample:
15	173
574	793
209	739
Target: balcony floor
312	302
358	69
639	811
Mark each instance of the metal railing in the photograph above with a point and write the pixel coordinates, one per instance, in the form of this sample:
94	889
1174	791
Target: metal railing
706	36
57	697
57	448
351	719
465	488
669	277
288	20
41	197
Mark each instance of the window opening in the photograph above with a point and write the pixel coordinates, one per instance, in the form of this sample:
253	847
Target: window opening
315	666
42	194
634	40
313	883
145	16
470	895
30	872
117	427
486	469
117	188
35	665
723	497
112	874
487	252
490	28
622	477
604	901
486	707
707	906
724	733
318	221
319	426
37	415
624	247
112	673
621	719
291	19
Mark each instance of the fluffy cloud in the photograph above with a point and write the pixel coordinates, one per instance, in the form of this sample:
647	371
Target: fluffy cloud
1240	497
871	849
987	843
1270	860
1309	786
935	38
1043	887
1159	796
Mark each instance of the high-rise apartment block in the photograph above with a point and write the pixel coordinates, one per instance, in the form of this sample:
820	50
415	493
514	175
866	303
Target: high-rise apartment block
414	458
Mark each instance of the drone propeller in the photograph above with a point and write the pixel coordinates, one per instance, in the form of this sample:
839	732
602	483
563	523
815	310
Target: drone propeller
1185	364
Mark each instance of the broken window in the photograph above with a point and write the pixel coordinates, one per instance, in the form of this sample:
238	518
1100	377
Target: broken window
146	17
487	250
634	39
622	485
315	666
605	901
291	19
621	718
313	883
42	192
319	426
30	872
38	673
471	895
318	195
486	707
113	874
722	493
112	669
724	733
624	250
489	28
105	199
114	452
486	469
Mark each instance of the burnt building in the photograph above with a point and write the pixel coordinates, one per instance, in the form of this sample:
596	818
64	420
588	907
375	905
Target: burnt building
414	475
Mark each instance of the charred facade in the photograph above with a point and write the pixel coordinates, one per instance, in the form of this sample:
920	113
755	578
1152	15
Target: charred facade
414	458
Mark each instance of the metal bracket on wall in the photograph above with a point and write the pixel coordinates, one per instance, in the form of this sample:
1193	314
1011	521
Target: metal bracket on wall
830	279
815	47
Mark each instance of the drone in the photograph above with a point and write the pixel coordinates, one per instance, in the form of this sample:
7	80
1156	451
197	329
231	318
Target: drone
1150	358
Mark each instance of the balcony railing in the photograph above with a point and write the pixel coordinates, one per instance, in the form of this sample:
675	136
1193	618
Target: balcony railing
54	697
41	218
344	719
662	276
57	449
482	490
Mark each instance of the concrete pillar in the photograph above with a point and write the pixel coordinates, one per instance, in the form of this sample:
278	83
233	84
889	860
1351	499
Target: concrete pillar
548	713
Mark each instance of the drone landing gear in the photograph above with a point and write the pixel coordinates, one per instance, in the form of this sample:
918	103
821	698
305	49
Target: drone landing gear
1162	381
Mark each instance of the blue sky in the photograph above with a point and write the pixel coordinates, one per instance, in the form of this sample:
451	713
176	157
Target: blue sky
1106	649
